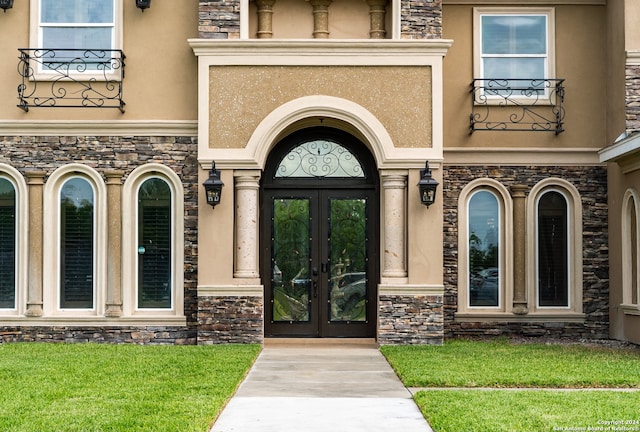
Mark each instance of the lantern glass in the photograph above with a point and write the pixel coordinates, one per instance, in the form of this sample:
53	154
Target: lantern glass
213	187
427	186
6	4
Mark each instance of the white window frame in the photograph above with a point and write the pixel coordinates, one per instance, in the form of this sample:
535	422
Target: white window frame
130	242
52	240
505	211
574	250
35	41
9	173
631	200
478	56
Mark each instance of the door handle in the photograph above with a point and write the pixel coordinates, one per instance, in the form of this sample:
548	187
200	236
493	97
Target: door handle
314	273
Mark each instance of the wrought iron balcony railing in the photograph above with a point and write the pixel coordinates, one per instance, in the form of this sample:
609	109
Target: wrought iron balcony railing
517	105
70	78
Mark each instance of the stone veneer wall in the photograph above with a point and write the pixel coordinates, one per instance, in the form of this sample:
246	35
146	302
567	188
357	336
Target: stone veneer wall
632	102
421	19
230	320
219	19
138	335
404	320
102	153
591	182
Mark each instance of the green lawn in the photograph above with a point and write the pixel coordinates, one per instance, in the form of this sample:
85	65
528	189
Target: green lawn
96	387
563	370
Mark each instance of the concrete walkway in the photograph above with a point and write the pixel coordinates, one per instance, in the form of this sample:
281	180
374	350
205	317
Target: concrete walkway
306	386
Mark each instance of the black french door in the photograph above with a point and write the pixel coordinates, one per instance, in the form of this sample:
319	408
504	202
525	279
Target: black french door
319	244
319	266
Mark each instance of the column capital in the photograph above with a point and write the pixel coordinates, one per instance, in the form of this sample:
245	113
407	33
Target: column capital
114	177
518	191
35	177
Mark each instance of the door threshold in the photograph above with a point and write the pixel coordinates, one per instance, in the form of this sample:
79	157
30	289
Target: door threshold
320	342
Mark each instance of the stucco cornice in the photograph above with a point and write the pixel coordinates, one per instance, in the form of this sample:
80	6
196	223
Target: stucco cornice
633	58
520	156
99	128
526	2
305	52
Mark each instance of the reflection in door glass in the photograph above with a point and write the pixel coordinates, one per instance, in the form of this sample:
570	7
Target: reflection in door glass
348	245
290	275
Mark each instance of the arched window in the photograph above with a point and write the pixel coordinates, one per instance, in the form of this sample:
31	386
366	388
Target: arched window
77	244
485	257
8	244
155	245
552	250
630	244
74	242
483	234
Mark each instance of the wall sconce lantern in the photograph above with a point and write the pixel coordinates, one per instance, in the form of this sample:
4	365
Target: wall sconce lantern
6	4
143	4
427	186
213	186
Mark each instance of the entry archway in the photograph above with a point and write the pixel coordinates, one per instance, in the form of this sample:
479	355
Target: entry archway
319	241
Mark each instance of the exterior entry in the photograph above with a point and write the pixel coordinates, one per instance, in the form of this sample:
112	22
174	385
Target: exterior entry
319	259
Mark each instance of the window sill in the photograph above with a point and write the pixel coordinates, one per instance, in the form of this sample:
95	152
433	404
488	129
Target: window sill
564	316
630	309
176	321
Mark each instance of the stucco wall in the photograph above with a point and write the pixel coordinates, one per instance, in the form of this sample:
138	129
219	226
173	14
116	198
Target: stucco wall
160	74
580	57
400	97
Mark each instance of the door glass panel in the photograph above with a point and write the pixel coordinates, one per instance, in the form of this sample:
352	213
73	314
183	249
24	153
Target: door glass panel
348	258
291	260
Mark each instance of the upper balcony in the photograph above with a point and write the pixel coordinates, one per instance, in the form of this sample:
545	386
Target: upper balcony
517	105
70	78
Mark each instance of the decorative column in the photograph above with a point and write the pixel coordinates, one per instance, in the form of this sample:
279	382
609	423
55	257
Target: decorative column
377	14
519	248
35	181
265	18
320	18
114	243
394	186
247	185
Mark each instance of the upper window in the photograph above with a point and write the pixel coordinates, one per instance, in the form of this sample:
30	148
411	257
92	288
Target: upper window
76	37
8	233
553	250
514	46
80	24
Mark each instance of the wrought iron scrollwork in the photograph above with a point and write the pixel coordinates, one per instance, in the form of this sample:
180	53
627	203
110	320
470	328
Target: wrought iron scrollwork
517	105
70	78
319	158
